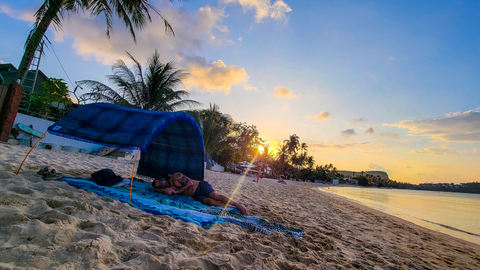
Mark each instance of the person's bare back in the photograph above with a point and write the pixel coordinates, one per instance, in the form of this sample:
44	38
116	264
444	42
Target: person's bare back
200	191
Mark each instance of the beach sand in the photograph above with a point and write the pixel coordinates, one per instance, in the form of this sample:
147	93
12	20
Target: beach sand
52	225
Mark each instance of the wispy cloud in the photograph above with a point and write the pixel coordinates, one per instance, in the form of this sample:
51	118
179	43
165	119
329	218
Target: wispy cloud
193	31
27	16
453	127
361	119
322	116
283	92
369	130
348	132
339	145
442	150
263	8
388	135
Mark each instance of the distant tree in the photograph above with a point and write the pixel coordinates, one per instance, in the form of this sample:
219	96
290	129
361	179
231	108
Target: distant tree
362	180
215	127
55	92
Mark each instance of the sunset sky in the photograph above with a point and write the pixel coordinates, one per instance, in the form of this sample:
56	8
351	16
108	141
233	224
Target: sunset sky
369	85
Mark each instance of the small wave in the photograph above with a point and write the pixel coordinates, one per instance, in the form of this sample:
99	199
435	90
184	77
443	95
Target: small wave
449	227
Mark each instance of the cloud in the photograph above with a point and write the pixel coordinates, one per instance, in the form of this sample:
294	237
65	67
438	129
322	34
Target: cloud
192	32
361	119
348	132
388	135
263	8
375	167
369	130
474	150
442	150
214	76
339	145
1	62
285	106
283	92
453	127
322	116
27	16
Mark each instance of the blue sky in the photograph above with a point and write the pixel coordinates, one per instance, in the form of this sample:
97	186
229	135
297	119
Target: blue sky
369	85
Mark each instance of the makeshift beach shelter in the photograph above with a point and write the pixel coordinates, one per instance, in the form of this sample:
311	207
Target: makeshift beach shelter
168	141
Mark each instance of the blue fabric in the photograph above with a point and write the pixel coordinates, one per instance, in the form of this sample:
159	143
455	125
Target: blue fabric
169	141
180	207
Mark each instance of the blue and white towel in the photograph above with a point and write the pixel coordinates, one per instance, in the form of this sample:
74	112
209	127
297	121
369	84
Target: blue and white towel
179	207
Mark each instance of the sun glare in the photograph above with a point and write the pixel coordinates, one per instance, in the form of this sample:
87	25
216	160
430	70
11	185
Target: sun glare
260	148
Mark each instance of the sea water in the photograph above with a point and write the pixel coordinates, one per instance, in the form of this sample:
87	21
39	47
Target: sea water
453	213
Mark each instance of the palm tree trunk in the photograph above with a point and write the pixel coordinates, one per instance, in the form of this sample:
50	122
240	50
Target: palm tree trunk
34	41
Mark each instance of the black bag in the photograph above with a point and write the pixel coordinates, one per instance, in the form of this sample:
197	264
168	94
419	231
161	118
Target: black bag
106	177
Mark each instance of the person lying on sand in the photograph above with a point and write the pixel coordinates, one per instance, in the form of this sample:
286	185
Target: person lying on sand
200	191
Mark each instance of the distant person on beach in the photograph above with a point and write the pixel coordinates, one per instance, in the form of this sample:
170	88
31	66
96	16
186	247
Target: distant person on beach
259	170
200	191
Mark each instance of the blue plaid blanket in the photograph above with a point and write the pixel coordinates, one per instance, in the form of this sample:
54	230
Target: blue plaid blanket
180	207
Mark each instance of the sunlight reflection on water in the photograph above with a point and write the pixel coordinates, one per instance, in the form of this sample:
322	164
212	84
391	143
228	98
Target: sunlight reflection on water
456	214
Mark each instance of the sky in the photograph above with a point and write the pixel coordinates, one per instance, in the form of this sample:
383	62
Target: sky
368	85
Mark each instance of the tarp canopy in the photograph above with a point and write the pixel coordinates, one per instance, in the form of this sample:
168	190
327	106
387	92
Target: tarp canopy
169	141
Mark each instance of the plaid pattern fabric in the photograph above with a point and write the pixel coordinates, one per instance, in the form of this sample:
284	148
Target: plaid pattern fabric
169	141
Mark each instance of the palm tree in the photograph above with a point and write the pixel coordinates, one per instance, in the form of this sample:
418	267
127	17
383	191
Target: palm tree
215	127
293	144
152	90
133	13
310	162
282	157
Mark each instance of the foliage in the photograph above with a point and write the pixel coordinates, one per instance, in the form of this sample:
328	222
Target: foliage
152	90
245	140
134	15
292	157
362	180
54	91
226	156
215	128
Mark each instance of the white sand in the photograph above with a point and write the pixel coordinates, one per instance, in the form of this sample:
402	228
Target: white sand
51	225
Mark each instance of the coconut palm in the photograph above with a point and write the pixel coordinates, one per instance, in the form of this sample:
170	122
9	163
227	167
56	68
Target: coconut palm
152	90
133	13
215	127
293	143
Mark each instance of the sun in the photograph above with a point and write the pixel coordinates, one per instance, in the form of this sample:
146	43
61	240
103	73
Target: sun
260	149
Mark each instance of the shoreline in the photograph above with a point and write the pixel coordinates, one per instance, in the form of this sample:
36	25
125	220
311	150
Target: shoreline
52	225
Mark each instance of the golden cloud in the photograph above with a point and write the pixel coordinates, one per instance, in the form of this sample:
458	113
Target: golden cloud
322	116
216	76
283	92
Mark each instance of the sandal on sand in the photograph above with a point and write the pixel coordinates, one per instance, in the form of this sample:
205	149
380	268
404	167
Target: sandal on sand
43	172
52	175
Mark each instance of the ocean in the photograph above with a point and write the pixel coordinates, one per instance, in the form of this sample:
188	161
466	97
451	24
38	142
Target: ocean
456	214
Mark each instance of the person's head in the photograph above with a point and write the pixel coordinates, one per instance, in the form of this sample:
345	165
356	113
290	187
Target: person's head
160	184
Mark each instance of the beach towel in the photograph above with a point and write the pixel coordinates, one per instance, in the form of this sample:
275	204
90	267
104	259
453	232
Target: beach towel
179	207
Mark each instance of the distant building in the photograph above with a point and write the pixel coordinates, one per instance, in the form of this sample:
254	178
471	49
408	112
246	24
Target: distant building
9	73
